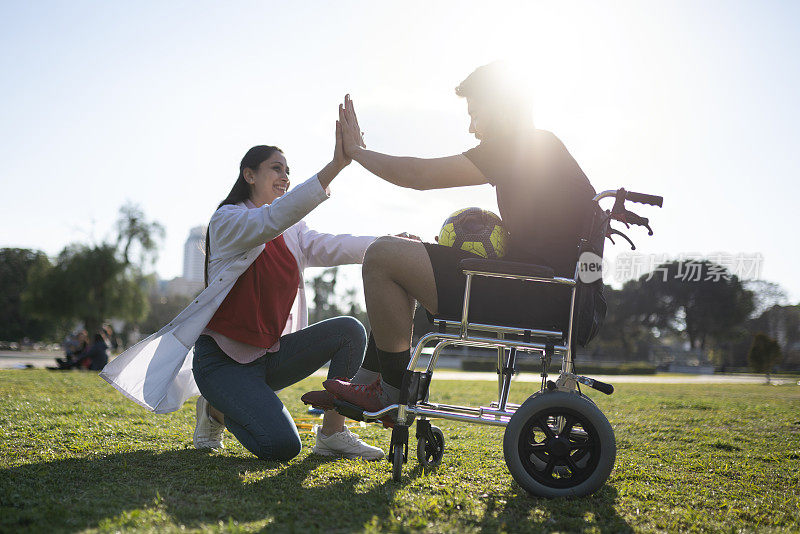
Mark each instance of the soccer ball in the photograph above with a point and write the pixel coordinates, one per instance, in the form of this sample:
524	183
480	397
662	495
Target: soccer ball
475	230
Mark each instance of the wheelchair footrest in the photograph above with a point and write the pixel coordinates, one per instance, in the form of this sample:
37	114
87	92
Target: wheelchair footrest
349	410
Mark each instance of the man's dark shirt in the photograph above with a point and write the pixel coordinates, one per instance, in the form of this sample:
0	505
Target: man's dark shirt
543	195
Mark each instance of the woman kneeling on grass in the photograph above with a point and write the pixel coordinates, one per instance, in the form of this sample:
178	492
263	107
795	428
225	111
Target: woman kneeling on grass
256	249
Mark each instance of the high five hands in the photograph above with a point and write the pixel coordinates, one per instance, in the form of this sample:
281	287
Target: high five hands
351	135
349	138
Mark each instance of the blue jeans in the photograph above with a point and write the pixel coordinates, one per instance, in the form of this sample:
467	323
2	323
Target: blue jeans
245	393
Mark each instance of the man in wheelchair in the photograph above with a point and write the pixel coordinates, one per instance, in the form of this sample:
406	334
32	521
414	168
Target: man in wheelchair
545	201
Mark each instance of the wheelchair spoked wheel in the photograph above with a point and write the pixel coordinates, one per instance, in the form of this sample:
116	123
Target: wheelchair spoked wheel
430	451
559	444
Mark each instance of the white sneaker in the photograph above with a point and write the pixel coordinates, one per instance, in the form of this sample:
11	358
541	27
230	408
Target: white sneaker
344	444
207	430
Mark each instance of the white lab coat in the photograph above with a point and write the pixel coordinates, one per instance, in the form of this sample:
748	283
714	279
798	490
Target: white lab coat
156	373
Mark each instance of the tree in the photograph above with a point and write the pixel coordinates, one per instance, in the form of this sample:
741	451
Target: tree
161	310
324	286
628	322
354	307
15	323
95	283
328	304
88	284
698	298
135	232
765	295
764	353
781	323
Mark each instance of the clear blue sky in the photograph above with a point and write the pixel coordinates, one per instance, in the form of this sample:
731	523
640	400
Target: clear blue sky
156	102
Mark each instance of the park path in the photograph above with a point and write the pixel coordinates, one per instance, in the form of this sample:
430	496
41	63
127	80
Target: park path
444	374
40	360
10	359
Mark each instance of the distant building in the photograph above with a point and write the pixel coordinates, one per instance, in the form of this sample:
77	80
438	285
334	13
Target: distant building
194	255
194	258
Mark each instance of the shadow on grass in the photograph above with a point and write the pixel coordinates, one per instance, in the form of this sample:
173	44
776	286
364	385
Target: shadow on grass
563	515
188	487
158	490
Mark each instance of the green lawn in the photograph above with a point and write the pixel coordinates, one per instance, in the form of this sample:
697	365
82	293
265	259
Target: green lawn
77	456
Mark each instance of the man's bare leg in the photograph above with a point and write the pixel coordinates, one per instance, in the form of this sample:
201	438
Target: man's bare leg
396	272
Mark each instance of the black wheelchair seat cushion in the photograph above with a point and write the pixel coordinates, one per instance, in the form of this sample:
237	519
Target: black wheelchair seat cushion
509	302
506	267
497	301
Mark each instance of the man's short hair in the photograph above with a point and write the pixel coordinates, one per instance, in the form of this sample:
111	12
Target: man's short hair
496	88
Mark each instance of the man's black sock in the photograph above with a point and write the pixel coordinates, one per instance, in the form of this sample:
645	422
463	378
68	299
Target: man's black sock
371	361
393	366
370	369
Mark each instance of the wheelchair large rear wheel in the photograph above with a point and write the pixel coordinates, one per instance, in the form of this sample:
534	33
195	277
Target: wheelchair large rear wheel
559	444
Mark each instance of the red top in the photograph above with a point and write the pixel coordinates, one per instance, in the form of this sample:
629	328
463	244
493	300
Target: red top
256	309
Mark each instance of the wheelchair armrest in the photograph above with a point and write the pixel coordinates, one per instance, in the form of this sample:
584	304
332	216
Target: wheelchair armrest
506	267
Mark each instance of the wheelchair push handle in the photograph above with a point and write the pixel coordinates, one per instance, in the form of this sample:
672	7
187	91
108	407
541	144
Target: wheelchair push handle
642	198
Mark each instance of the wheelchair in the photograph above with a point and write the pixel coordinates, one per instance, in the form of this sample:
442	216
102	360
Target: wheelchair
557	443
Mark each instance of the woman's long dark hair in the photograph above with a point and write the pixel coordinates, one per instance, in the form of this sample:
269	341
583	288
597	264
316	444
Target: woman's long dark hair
241	189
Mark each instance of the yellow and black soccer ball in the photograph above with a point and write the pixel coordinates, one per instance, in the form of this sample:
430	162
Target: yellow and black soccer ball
475	230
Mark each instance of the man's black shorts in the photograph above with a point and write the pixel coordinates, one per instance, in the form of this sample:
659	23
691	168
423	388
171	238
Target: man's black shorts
495	301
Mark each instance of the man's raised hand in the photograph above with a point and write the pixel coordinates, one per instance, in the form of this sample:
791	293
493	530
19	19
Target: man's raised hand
352	136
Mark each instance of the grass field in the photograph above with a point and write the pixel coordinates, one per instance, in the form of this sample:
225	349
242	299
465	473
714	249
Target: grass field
76	456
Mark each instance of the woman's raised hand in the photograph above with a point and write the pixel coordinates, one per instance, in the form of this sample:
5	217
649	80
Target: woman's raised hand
352	136
340	159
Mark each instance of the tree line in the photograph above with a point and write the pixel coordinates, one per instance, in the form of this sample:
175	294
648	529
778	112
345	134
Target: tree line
43	299
732	324
713	313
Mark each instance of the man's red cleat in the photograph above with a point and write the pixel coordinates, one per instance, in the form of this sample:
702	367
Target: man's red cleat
366	396
319	399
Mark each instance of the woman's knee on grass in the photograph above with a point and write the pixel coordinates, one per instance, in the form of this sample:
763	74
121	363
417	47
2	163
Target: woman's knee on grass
281	447
269	434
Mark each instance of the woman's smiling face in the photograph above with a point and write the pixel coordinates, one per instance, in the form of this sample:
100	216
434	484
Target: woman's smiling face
269	181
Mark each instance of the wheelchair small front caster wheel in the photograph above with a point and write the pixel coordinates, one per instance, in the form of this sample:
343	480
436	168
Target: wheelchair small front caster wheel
558	444
397	463
430	449
397	450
